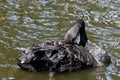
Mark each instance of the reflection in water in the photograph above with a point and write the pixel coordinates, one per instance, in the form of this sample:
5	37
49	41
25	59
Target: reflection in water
24	22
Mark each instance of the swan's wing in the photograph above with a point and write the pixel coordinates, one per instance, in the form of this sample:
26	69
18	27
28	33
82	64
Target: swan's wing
71	34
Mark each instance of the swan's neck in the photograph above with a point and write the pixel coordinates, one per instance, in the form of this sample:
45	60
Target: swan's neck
83	37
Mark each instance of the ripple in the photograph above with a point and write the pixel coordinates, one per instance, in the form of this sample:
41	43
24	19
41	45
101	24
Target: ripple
9	65
24	22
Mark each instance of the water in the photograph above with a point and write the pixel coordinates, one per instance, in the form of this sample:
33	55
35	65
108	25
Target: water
24	22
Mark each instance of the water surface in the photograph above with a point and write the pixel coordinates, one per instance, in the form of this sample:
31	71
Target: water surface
24	22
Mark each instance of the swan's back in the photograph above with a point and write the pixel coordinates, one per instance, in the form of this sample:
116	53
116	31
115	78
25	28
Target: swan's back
49	57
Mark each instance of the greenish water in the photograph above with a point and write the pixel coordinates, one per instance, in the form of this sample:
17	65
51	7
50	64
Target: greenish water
24	22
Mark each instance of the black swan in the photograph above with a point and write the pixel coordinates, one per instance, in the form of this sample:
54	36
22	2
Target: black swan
73	53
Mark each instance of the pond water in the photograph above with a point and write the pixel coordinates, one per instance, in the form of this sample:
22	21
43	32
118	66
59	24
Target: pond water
24	22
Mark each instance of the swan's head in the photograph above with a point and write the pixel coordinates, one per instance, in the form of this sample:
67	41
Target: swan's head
81	24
